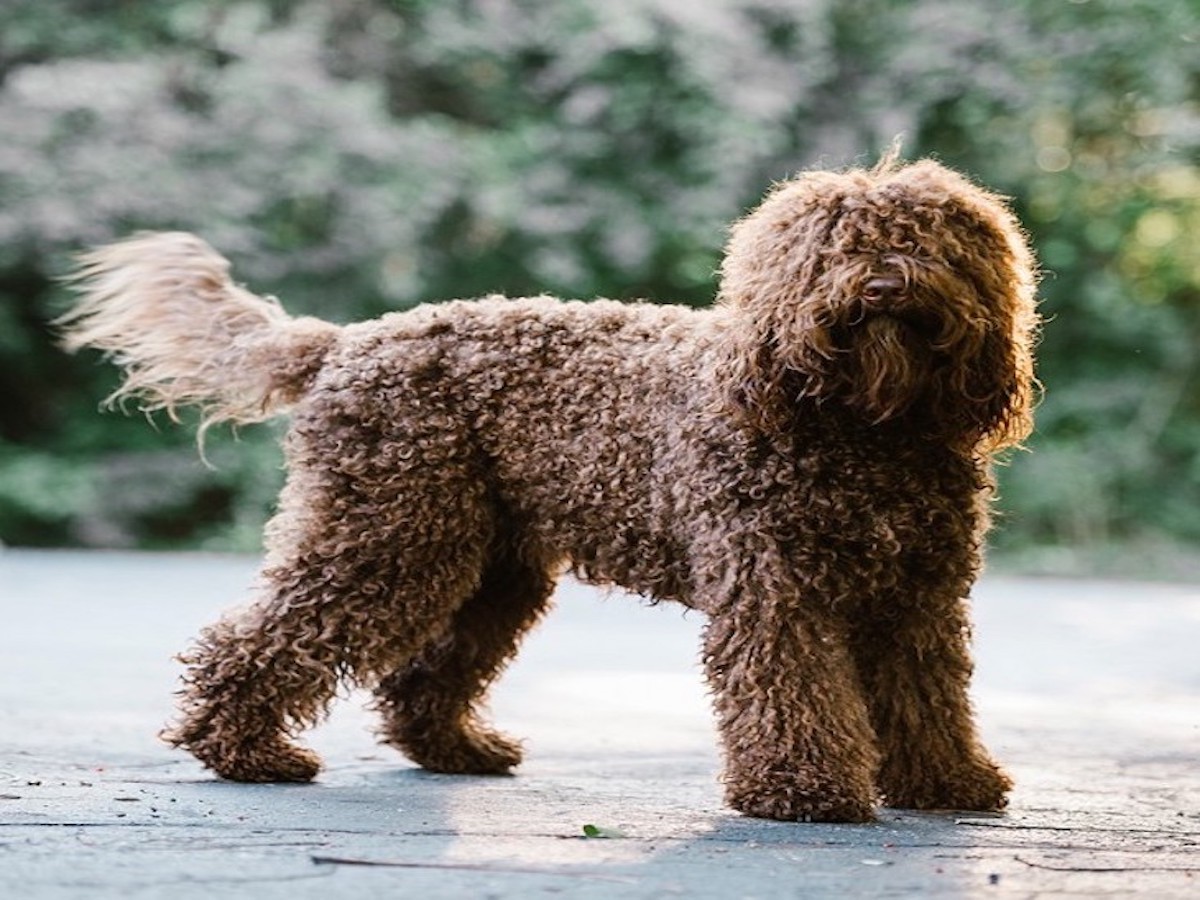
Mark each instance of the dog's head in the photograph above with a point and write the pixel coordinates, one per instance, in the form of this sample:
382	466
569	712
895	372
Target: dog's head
899	292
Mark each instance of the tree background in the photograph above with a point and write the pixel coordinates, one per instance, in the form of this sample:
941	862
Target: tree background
359	156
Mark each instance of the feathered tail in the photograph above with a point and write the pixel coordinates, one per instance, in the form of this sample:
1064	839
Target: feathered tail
163	307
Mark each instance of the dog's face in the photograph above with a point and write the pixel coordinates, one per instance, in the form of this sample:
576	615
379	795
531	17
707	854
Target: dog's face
897	292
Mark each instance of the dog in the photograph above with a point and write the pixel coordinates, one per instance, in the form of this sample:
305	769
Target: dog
807	462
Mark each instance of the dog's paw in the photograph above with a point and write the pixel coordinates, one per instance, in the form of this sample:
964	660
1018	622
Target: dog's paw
275	761
981	787
279	762
475	752
798	802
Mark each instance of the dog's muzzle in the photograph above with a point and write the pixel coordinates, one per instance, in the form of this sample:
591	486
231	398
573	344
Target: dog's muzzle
883	292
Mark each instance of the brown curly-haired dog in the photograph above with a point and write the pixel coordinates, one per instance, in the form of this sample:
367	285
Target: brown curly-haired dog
807	463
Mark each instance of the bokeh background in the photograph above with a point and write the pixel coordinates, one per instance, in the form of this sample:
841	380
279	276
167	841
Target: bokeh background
359	156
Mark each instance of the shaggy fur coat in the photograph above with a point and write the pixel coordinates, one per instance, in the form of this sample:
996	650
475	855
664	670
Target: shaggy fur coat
807	463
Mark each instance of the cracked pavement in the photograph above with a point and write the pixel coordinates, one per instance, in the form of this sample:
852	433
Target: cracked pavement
1089	692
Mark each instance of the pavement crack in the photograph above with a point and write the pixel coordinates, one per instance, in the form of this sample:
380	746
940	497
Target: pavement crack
1053	868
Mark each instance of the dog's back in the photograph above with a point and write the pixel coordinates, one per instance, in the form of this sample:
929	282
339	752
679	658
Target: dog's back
572	414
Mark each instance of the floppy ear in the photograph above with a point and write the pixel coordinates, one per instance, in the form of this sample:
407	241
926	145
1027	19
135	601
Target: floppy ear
986	395
997	377
775	343
1003	374
752	375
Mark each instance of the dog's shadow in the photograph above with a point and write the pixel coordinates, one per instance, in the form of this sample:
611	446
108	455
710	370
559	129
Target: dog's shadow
627	823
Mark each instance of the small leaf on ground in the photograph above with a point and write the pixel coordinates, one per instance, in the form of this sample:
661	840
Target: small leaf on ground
599	831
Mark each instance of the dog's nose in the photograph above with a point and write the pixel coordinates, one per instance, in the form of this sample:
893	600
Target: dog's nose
883	290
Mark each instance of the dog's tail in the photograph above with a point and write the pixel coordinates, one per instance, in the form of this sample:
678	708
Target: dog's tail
163	307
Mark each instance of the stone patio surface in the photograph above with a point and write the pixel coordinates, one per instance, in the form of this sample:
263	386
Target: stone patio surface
1088	691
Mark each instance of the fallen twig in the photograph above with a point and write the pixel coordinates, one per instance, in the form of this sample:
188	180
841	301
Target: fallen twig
467	867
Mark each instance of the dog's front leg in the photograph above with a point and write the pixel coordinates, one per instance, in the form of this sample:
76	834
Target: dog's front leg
916	669
797	738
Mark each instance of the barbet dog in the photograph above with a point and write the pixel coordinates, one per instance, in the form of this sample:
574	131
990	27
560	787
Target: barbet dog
807	463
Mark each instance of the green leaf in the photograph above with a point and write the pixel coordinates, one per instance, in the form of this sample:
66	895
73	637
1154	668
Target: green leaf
599	831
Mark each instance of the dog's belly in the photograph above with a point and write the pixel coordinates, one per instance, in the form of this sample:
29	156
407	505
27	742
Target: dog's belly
650	568
601	543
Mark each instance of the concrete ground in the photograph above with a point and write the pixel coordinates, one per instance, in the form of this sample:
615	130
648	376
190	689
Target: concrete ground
1088	691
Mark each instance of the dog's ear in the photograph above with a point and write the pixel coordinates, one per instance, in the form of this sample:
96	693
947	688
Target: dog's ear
753	377
1005	368
998	378
775	343
774	350
983	400
1000	387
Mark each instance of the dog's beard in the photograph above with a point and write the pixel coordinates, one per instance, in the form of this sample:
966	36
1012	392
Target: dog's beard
890	367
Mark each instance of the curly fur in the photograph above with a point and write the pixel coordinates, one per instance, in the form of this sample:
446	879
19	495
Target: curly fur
807	463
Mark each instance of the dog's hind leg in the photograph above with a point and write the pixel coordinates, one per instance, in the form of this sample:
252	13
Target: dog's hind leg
252	682
430	707
361	574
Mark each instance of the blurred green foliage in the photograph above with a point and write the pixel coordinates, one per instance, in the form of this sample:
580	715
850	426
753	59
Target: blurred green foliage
355	156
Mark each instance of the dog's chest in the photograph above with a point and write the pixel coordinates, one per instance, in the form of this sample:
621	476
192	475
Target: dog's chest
822	494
